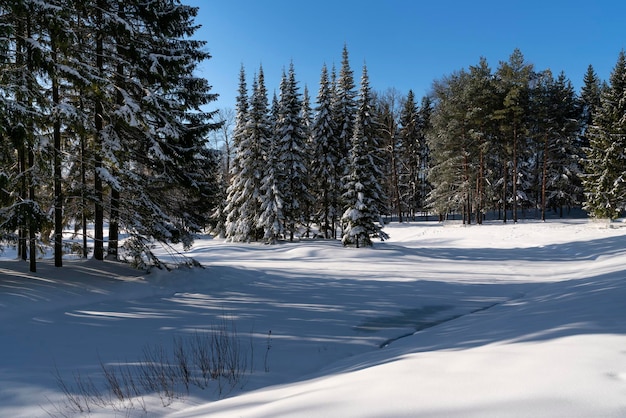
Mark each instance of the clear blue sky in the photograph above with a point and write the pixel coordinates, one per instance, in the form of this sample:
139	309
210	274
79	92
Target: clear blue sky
406	44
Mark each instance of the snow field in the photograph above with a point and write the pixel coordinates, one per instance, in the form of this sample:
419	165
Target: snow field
496	320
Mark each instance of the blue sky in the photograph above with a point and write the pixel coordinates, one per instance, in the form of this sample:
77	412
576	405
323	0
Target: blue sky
406	44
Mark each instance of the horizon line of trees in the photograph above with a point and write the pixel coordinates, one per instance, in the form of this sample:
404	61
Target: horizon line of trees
502	142
101	123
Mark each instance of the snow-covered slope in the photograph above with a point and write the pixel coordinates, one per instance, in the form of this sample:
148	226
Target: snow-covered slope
497	320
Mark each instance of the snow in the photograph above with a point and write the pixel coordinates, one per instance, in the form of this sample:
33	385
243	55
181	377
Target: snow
498	320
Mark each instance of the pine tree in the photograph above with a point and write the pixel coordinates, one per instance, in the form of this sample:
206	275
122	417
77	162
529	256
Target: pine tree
513	79
483	131
453	152
363	191
556	125
605	177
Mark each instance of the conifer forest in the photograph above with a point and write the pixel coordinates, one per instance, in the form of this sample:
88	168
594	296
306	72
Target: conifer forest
105	133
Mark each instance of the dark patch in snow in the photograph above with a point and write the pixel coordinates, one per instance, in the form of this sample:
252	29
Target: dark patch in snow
417	319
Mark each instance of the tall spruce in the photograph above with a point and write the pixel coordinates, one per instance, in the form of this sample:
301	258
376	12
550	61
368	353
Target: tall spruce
590	97
605	175
252	144
292	146
237	179
325	157
344	111
364	194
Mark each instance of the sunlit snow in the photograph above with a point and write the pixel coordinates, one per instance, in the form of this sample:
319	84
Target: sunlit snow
523	320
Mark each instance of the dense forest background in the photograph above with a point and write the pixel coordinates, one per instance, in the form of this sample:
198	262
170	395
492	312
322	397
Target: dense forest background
104	131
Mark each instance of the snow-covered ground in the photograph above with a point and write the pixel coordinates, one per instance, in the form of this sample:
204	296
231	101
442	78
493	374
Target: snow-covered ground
525	320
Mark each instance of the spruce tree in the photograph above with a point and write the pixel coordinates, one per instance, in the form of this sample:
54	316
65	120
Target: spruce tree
410	156
237	180
25	104
325	157
590	95
605	177
291	142
252	143
344	110
363	195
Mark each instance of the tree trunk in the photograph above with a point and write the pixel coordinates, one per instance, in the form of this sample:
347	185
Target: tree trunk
58	196
504	186
543	178
98	245
32	227
514	179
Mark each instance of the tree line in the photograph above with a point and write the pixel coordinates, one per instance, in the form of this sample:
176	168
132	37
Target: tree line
519	139
299	171
499	143
101	124
103	129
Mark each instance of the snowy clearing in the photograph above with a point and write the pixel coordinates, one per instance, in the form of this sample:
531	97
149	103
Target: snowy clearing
439	321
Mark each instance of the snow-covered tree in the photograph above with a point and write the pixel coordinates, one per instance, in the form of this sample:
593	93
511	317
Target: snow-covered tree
325	158
605	175
411	145
513	82
25	107
237	181
363	194
344	111
556	126
292	146
252	139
